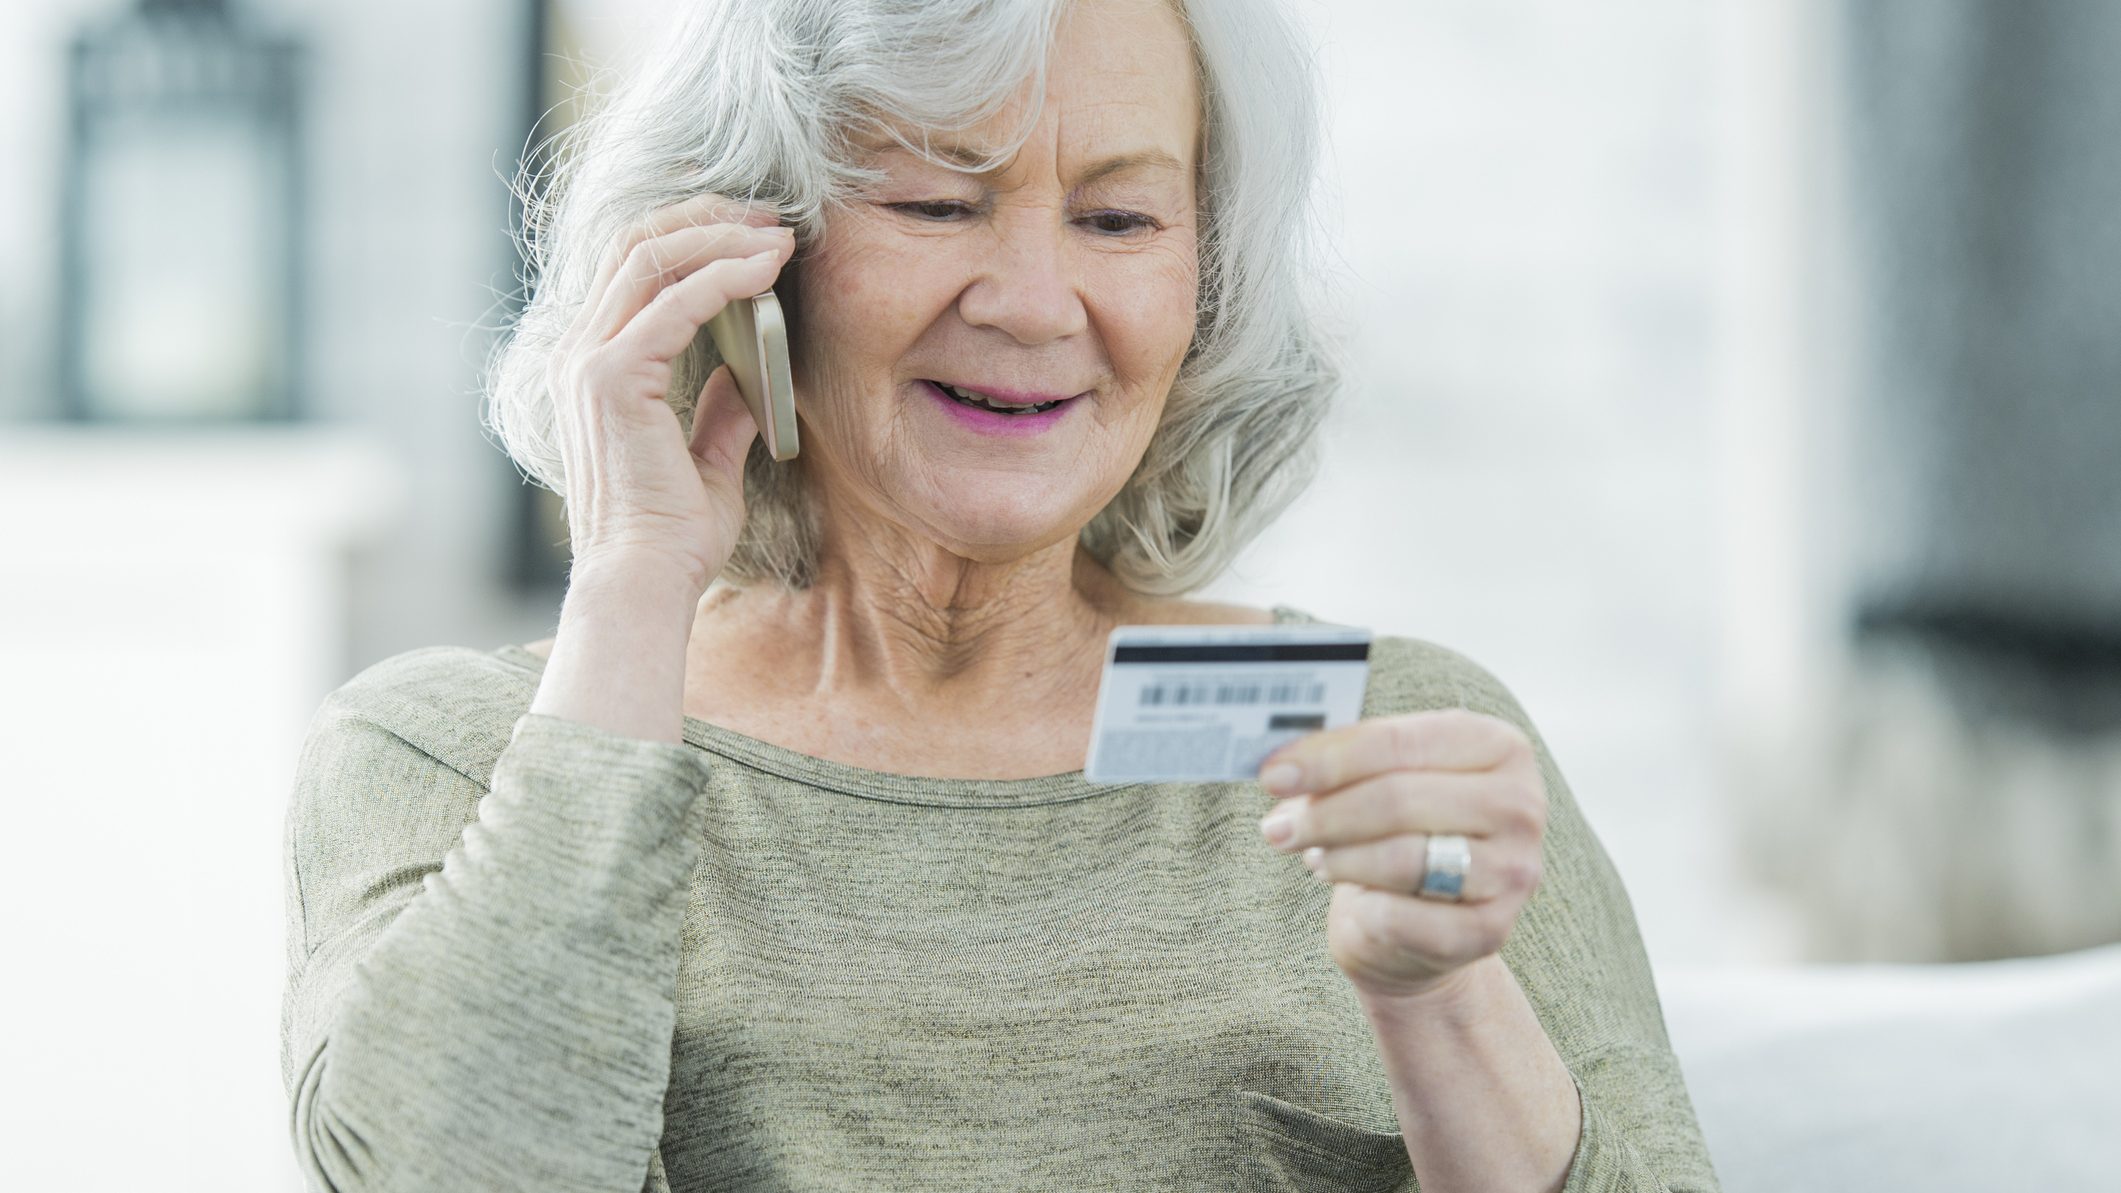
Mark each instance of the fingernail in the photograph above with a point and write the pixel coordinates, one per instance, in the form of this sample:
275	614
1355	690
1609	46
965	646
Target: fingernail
783	231
761	256
1313	856
1281	777
1278	826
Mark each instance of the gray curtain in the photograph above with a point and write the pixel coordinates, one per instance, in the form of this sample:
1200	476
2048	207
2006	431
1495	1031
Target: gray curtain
1984	161
1958	796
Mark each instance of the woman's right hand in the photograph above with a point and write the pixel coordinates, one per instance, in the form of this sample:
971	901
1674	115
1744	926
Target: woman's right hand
635	487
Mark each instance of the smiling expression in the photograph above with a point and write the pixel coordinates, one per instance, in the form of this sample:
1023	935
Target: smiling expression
1072	270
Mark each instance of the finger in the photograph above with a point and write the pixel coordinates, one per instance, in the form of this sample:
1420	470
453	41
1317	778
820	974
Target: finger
1448	934
667	325
1434	739
1498	869
707	207
656	264
722	427
1409	801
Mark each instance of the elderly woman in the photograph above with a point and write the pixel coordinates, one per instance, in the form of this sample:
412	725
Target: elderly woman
775	868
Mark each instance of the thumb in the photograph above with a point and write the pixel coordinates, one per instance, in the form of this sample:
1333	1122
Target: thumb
722	427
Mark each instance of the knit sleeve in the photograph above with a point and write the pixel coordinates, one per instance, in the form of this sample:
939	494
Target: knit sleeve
1579	957
481	980
1625	1147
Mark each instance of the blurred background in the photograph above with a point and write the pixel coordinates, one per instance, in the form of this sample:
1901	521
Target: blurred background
1736	381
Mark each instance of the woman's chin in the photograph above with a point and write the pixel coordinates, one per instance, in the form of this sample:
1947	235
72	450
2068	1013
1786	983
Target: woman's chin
994	534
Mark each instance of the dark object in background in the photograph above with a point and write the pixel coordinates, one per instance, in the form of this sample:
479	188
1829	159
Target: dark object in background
1955	795
180	254
1984	157
540	553
2008	664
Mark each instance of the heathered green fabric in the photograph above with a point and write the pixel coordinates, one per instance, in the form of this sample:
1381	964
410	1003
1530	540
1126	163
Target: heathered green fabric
529	954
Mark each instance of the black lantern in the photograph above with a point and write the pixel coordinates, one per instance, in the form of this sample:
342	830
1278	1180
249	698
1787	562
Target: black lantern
180	252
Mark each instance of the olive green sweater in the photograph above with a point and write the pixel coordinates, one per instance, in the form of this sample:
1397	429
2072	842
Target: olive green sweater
525	953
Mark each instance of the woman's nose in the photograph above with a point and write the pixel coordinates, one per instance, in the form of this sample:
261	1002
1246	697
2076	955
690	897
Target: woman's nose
1027	287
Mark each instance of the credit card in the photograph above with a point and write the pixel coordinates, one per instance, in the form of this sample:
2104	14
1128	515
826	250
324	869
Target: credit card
1211	702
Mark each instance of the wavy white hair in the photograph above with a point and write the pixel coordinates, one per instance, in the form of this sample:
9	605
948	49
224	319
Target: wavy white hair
770	100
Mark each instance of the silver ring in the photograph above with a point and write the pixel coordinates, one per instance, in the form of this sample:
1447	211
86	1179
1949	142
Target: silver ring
1445	876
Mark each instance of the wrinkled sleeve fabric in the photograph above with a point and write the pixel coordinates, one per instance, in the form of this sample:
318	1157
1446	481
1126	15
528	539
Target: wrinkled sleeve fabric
481	976
1578	955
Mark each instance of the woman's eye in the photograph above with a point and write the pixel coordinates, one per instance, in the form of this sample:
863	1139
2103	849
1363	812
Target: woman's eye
1121	221
934	210
937	211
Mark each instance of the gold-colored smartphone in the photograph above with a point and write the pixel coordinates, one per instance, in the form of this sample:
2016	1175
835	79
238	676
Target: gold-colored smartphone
753	340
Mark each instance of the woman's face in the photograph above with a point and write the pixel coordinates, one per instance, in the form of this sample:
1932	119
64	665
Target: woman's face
1072	271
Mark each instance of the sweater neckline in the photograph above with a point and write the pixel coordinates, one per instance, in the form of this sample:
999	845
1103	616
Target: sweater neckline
888	786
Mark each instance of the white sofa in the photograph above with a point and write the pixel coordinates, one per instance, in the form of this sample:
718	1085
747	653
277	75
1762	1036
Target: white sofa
1998	1076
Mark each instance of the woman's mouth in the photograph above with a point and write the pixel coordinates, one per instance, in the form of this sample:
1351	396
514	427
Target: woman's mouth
981	401
975	411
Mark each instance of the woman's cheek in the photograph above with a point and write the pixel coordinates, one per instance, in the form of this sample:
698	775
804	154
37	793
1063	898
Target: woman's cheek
1158	294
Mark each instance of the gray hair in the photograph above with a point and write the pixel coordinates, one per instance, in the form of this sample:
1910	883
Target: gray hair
768	100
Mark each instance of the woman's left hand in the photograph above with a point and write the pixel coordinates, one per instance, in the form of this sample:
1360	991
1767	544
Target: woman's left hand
1365	801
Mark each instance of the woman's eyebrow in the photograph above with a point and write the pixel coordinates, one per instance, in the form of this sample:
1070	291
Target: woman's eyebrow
1138	159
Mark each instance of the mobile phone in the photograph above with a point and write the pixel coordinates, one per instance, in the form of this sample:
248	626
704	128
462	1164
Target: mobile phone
753	340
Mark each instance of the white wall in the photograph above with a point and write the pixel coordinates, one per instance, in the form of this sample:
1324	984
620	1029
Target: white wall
1528	471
